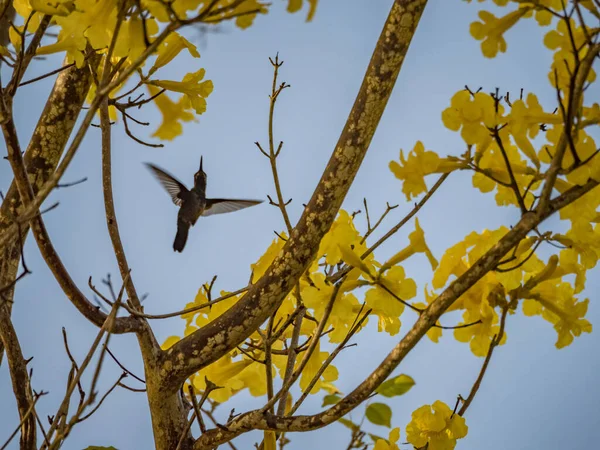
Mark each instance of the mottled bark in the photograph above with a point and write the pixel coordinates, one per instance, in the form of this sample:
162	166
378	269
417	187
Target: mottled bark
7	14
262	420
43	153
221	335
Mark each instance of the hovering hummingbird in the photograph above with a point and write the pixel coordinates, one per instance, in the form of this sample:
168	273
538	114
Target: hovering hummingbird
193	202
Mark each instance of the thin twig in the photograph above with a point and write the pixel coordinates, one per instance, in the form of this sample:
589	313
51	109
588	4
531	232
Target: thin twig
30	411
49	74
340	273
197	408
497	339
356	326
141	380
291	361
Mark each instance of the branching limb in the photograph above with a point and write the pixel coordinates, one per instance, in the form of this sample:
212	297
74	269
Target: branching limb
371	229
60	428
215	339
334	278
578	84
260	419
513	181
144	330
341	346
22	424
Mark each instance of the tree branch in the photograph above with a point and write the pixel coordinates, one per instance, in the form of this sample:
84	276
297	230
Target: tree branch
41	158
122	325
230	329
17	365
574	101
260	419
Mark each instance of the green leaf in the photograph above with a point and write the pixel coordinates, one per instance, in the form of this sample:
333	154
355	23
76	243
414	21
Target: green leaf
396	386
379	414
330	399
95	447
348	423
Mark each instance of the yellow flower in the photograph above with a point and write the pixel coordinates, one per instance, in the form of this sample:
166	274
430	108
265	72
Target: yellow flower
312	367
224	373
491	30
564	40
492	162
564	37
296	5
585	147
558	305
473	115
420	163
342	233
131	41
437	429
208	314
391	443
524	122
170	48
479	335
73	45
191	85
173	114
24	8
56	8
344	310
169	342
386	306
417	245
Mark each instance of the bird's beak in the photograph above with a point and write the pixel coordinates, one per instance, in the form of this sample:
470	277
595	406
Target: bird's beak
201	164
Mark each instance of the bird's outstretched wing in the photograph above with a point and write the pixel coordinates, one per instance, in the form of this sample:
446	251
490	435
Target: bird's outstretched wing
175	188
225	205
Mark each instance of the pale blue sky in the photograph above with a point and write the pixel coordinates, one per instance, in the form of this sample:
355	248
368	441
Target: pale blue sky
533	397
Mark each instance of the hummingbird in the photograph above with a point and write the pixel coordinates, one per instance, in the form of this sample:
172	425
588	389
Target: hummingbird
193	202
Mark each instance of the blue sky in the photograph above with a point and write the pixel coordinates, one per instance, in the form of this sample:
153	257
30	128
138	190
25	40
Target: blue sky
533	396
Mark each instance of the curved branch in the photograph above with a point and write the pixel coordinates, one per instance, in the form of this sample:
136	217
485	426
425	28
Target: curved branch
91	312
261	420
233	327
577	83
113	227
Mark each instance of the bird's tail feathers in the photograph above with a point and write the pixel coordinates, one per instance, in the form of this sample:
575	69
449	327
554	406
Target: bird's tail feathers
181	237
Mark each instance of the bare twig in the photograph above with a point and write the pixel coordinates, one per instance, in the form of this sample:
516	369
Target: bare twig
497	339
29	412
291	361
334	278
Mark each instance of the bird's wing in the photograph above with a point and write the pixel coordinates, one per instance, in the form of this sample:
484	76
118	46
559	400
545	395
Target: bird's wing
225	205
175	188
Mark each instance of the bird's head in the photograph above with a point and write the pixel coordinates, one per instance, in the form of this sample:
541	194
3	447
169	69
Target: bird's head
200	176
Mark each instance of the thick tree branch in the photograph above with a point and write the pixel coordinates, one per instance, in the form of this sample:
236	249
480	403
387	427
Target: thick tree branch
232	328
260	419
